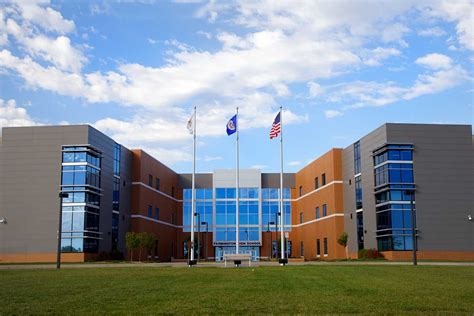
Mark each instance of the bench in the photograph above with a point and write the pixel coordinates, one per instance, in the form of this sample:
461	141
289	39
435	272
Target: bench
237	258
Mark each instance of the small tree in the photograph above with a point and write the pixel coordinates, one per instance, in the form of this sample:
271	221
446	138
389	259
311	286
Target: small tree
132	242
148	242
342	240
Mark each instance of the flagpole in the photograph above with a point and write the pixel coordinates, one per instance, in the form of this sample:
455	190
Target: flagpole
282	213
237	186
193	193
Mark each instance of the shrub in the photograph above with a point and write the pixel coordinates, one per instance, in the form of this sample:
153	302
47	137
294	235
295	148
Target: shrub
370	254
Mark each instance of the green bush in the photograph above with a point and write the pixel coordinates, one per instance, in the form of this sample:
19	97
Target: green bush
370	254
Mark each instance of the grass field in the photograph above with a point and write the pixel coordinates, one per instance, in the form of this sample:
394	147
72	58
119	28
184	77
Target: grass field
297	289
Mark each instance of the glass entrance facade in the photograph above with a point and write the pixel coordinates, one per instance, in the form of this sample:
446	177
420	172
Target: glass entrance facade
258	212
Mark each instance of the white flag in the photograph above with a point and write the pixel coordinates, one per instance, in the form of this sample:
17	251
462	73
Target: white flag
190	124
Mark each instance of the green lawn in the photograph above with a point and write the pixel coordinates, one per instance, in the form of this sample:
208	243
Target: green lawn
292	289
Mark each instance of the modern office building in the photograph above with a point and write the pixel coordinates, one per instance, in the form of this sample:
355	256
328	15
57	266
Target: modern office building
364	190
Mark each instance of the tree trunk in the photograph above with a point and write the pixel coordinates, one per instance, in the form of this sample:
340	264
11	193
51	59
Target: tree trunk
140	254
131	255
347	252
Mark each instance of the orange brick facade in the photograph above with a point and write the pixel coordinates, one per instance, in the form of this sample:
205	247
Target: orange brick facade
307	229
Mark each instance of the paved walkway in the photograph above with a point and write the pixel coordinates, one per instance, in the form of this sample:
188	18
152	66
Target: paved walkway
221	265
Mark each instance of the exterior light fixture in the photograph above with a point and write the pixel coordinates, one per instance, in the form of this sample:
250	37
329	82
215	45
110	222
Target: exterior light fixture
3	220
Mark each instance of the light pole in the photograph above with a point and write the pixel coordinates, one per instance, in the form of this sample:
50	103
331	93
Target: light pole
271	238
411	193
60	226
207	232
199	233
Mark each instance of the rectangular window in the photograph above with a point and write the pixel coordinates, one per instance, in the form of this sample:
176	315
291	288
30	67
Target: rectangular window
172	191
301	217
157	213
316	183
323	179
325	246
358	192
325	211
150	211
150	180
318	248
301	190
157	183
317	212
302	249
357	158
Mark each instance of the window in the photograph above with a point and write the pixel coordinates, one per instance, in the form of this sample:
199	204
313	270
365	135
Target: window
316	183
325	246
317	212
302	249
323	179
172	191
318	248
150	180
157	213
150	211
301	190
357	158
157	183
358	192
301	217
325	212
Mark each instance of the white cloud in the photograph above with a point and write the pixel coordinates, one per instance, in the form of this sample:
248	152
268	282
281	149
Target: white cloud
459	12
47	18
315	89
259	167
11	115
433	31
294	163
333	113
437	82
435	61
375	56
152	41
205	34
212	158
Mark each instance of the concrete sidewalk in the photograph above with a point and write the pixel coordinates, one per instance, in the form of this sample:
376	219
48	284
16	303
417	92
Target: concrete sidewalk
221	264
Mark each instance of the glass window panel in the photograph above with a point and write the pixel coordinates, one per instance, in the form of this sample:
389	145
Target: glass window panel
231	234
230	219
65	245
220	193
78	221
230	193
220	219
77	244
406	155
208	194
68	178
66	221
395	195
394	155
265	194
253	193
79	178
408	243
200	194
395	176
407	176
243	219
80	157
68	157
397	219
79	197
253	219
398	243
407	219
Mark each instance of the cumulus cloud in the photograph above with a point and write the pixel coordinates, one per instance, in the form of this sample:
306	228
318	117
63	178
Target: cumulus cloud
11	115
432	31
333	113
435	61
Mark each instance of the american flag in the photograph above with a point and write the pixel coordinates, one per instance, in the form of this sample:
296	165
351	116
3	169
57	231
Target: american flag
276	127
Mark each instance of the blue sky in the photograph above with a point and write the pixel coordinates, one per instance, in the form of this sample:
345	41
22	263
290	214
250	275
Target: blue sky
135	69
